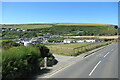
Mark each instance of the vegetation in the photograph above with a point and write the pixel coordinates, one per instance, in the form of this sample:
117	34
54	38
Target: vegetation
56	39
71	45
73	49
20	61
81	29
4	40
27	26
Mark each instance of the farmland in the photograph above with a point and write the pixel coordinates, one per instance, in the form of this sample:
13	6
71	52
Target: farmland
28	26
71	45
72	49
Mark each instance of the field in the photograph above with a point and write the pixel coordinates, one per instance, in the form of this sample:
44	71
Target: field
83	24
48	25
71	45
28	26
100	37
72	49
1	40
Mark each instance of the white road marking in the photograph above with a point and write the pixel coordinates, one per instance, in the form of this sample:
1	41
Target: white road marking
112	50
94	68
106	54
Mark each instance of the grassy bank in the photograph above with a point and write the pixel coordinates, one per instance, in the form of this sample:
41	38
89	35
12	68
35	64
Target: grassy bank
22	61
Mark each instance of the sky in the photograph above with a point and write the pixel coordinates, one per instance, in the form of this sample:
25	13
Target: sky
59	12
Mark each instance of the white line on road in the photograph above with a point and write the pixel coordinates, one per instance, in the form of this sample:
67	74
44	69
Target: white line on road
106	54
94	68
112	50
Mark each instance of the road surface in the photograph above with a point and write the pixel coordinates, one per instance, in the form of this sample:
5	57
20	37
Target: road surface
101	64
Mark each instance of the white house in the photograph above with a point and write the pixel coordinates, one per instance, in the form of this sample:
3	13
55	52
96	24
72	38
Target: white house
80	41
90	40
68	40
27	43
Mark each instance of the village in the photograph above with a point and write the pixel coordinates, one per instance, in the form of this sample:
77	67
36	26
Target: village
46	37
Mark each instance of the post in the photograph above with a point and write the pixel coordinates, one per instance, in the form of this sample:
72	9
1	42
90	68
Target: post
45	62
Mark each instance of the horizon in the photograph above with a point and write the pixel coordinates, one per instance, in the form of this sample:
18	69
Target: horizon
60	12
51	23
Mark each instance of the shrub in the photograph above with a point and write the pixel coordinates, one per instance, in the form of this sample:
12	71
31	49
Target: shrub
17	61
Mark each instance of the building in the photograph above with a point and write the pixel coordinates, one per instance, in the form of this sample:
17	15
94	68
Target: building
68	40
80	41
26	43
93	40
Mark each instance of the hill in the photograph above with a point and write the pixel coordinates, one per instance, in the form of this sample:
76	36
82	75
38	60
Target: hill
47	25
80	29
66	29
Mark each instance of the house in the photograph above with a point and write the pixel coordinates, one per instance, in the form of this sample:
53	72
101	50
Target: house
35	40
91	40
68	40
80	41
26	43
55	35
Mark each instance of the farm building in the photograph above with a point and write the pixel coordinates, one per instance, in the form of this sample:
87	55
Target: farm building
68	40
80	41
90	40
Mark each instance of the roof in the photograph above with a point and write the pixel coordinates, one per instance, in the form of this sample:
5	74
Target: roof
69	39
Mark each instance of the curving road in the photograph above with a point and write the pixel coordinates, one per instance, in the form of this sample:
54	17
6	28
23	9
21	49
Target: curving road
101	64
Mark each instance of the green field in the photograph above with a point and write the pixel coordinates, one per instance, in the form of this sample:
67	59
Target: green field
28	26
64	49
47	25
73	49
1	40
71	45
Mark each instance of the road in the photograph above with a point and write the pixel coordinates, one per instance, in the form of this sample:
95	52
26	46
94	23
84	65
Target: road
101	64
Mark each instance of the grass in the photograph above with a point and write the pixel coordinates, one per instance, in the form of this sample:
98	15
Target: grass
64	49
1	40
48	25
85	24
28	26
71	45
19	60
73	49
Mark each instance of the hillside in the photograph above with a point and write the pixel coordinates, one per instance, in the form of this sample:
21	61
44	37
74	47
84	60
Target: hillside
82	29
27	26
66	29
47	25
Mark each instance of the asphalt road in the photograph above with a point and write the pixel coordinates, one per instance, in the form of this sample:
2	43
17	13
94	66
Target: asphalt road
101	64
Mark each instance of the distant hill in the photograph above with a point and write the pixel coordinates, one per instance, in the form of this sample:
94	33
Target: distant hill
47	25
81	29
83	24
67	29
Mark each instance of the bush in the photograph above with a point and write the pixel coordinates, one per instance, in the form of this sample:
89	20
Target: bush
21	61
17	61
